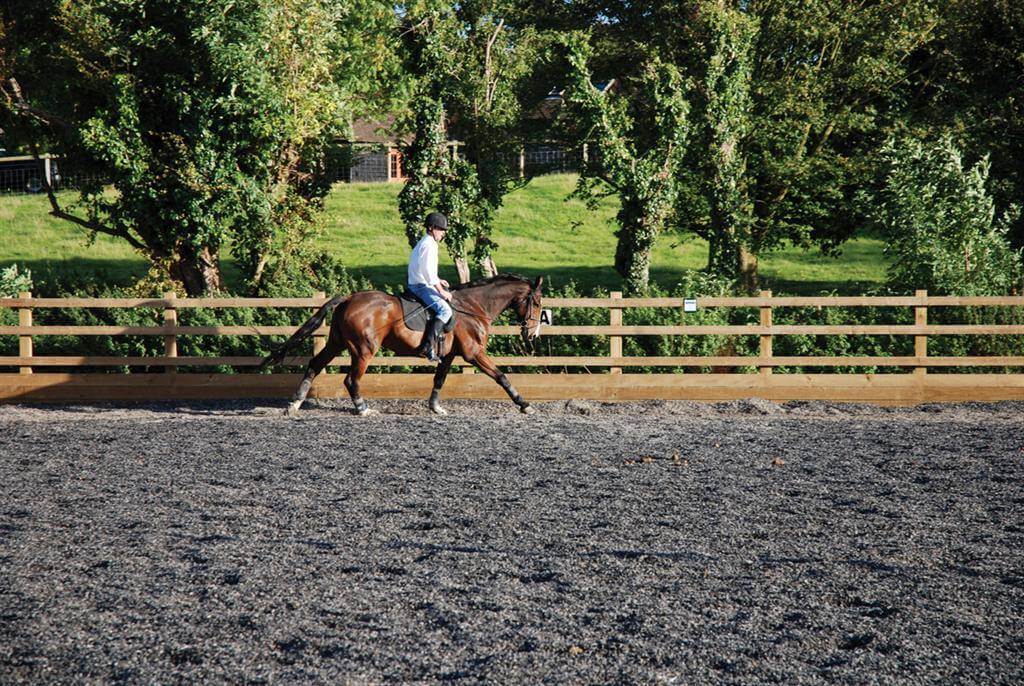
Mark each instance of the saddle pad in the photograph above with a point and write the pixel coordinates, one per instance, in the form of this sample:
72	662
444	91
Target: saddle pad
416	314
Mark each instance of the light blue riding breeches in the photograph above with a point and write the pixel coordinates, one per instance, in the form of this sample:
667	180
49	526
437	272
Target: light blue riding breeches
435	303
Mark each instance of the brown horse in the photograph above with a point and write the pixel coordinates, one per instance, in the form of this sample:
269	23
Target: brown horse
369	319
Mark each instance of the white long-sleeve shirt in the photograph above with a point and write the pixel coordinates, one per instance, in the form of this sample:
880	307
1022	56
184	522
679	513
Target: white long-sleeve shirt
423	262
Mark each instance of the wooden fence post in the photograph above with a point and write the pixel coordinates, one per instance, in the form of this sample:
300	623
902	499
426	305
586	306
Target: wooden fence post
921	342
319	340
25	342
522	163
615	319
766	340
170	340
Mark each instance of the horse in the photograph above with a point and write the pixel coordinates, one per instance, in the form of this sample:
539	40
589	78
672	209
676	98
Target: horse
367	320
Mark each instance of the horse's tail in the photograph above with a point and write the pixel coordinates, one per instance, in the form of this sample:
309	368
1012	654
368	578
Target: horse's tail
304	332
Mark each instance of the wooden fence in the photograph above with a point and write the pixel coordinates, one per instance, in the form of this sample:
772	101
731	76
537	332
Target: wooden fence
32	382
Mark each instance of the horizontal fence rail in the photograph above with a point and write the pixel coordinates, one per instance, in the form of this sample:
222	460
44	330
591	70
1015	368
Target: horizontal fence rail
697	330
762	364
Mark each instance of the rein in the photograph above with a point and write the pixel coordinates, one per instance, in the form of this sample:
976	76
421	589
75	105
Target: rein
522	322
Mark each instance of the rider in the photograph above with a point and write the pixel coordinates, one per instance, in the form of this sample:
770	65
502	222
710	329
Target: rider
425	285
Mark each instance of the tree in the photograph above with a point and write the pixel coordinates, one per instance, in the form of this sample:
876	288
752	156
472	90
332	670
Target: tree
209	121
438	181
940	222
725	125
790	100
824	83
970	84
638	142
474	61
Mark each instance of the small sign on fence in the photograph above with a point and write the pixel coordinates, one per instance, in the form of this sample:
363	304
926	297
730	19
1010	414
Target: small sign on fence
545	318
689	305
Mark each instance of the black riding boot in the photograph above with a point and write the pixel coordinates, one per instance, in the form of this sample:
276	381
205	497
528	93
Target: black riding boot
431	334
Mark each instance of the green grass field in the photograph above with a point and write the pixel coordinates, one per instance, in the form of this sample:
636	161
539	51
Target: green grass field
538	233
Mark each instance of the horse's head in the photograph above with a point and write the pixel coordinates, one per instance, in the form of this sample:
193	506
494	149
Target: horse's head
527	307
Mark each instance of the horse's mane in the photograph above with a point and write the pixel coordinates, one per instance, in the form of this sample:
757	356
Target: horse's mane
488	281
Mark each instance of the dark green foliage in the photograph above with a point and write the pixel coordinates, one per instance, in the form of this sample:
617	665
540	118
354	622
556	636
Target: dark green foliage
790	99
210	121
438	182
12	281
471	65
638	144
836	346
969	83
941	223
696	285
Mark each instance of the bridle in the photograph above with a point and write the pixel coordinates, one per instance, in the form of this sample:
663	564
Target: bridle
524	323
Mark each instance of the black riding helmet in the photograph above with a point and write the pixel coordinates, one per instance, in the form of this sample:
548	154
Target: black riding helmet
437	220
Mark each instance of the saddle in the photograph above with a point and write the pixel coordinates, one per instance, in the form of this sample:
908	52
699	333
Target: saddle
416	314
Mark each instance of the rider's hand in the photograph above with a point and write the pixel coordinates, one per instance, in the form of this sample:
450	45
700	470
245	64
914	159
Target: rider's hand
445	293
445	283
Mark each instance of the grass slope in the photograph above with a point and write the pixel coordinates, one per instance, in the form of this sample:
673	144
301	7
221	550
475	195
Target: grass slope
537	230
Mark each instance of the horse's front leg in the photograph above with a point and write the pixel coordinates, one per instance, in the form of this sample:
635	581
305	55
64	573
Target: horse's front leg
439	377
484	364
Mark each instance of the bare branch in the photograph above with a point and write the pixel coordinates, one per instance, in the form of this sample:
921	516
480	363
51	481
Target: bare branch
415	27
491	87
19	105
59	213
99	228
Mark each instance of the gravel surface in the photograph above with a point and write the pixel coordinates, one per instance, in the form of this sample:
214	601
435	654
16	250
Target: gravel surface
658	542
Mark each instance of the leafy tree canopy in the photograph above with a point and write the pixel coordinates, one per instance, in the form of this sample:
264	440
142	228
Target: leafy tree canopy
941	223
210	121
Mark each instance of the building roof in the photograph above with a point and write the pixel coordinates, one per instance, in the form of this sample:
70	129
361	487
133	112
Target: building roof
377	131
552	102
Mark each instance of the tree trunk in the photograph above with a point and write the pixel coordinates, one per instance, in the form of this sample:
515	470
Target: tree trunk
721	251
727	255
482	254
198	271
487	267
733	260
746	263
636	237
462	266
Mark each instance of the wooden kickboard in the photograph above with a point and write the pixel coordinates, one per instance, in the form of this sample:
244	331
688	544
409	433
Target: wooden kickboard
902	389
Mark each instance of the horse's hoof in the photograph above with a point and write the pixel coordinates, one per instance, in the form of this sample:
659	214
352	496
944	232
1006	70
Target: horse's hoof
292	411
437	409
367	412
527	409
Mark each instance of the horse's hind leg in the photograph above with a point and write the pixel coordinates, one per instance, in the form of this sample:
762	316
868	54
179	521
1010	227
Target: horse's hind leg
439	376
355	373
315	366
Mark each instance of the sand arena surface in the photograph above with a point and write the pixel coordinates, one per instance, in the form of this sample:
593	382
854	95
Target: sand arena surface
657	542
